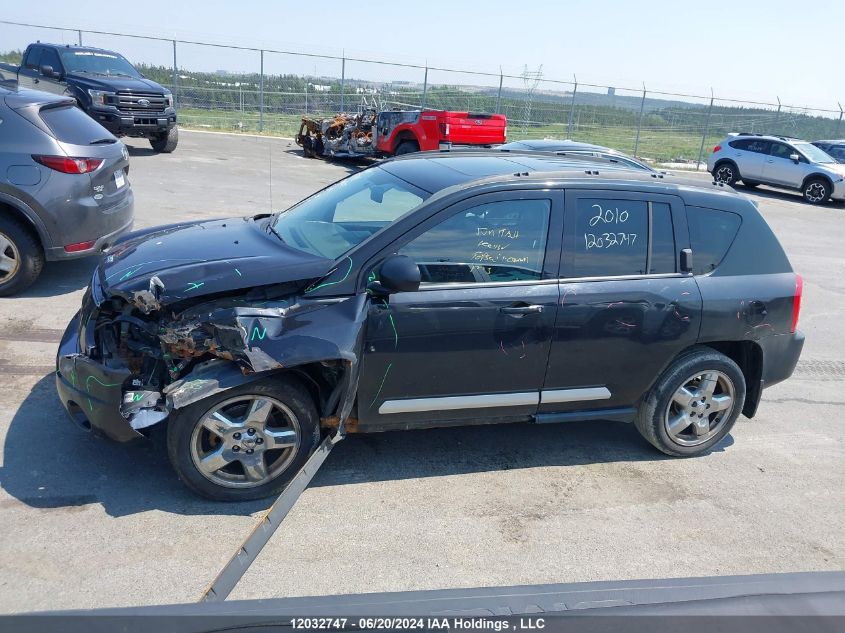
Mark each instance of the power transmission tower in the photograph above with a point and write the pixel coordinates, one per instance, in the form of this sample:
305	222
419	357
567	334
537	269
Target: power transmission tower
530	79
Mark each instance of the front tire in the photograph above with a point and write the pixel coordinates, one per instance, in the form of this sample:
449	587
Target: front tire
726	173
21	257
816	191
244	443
694	403
166	142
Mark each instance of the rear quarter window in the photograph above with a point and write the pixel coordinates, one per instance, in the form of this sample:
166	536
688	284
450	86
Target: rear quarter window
711	234
69	124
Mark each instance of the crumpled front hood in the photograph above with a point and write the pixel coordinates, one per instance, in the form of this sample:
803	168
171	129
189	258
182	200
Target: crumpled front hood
197	259
116	82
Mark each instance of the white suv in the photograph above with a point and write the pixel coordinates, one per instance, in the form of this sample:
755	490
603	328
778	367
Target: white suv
780	162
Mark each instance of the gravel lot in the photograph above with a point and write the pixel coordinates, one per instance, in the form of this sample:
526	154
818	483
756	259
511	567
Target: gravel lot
88	523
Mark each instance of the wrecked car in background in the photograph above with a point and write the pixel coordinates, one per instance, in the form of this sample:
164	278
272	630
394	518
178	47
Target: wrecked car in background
435	290
371	132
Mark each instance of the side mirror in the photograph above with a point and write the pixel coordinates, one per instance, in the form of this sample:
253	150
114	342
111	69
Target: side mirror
686	260
795	158
48	71
398	273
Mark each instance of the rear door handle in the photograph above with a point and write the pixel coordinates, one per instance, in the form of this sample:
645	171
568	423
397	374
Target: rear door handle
521	309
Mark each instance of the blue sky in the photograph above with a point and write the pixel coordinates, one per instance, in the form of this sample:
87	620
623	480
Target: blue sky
747	50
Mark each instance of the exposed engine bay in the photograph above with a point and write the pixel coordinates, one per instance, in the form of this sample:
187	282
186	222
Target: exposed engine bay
145	359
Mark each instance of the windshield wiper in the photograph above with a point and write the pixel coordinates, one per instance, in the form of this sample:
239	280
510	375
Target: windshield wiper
103	141
274	231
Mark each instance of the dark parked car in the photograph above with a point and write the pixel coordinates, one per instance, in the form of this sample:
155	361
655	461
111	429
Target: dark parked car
105	85
64	190
835	149
576	149
435	290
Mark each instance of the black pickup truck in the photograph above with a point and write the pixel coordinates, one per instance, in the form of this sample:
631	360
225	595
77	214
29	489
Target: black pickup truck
105	85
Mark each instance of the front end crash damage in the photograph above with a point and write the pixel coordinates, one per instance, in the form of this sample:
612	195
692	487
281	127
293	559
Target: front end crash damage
344	135
125	365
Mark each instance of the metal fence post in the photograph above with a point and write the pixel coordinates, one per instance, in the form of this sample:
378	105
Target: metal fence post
706	131
306	98
342	80
639	123
425	87
777	115
261	95
79	36
839	122
175	75
572	108
499	94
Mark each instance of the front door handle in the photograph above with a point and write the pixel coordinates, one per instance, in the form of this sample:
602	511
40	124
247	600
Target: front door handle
521	309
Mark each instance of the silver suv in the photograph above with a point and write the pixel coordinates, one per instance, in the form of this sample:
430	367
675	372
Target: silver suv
778	161
64	190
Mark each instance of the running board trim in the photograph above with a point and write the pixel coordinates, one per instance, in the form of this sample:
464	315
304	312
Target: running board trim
450	403
574	395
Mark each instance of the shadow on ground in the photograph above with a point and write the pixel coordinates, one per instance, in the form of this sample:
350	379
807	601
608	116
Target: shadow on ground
49	463
58	278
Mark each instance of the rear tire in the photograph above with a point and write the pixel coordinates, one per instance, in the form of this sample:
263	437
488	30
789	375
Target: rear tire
167	142
694	403
258	439
726	173
21	257
816	191
407	147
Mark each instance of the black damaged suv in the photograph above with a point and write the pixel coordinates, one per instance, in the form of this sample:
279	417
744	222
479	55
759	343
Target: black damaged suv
434	290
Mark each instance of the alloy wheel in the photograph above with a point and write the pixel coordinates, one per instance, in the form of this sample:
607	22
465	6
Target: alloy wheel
245	441
10	258
699	408
815	192
725	174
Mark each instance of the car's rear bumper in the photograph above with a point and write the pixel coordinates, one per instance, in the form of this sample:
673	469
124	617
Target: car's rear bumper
780	356
102	226
90	392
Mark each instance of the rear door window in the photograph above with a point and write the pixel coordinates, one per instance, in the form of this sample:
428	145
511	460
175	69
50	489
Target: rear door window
611	237
69	124
711	234
752	145
619	237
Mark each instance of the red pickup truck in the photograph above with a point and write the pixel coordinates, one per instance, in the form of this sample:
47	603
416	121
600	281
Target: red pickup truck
391	132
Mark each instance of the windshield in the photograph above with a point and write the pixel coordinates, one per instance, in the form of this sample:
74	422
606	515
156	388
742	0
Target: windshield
338	218
98	63
813	153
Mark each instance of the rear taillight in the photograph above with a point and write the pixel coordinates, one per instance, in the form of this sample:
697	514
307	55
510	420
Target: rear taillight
68	165
796	302
444	129
717	148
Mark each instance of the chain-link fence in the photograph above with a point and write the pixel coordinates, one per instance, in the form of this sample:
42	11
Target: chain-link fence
268	91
